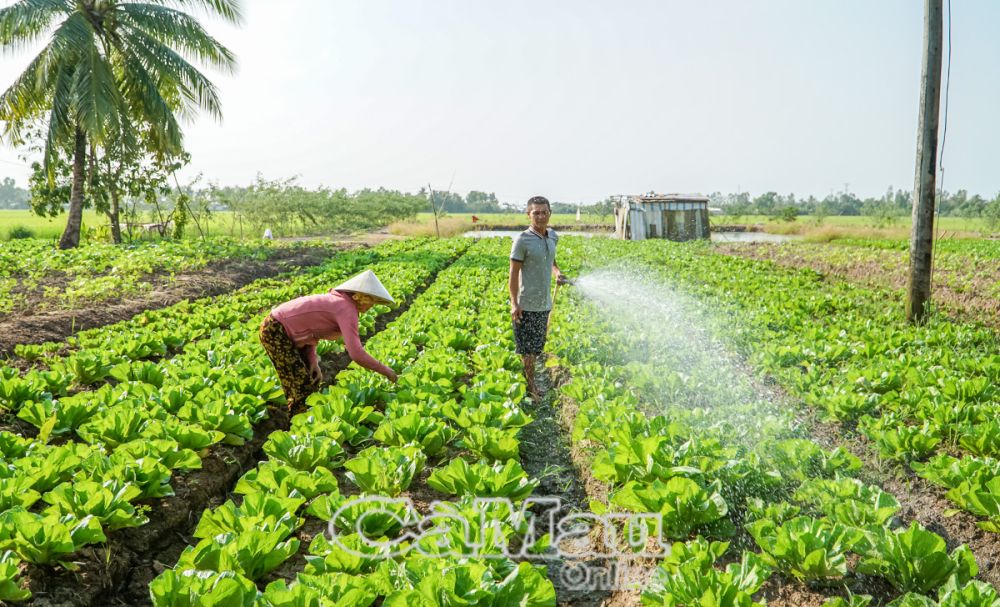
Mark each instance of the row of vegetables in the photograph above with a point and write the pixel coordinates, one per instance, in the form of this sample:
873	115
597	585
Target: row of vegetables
90	357
366	457
103	454
100	272
965	271
924	396
674	430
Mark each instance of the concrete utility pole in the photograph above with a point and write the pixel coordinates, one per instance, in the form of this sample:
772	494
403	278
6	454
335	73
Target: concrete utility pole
918	292
434	210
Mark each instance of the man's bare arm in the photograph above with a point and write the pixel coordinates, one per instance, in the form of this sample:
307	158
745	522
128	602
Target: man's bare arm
514	284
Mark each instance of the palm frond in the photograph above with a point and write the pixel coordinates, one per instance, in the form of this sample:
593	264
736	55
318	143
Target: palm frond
98	102
149	104
32	93
62	128
229	10
25	99
179	31
23	23
170	70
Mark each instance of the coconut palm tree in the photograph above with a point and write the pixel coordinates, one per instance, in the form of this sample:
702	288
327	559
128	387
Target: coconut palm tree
108	66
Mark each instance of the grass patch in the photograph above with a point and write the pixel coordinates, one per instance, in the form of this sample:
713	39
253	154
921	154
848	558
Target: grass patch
424	226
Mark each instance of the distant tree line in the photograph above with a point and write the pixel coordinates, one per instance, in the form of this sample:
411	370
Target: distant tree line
894	203
11	196
291	209
484	203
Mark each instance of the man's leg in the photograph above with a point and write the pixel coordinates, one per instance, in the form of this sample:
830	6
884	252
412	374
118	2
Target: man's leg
529	373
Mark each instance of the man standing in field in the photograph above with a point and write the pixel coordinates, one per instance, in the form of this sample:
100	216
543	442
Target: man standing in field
532	264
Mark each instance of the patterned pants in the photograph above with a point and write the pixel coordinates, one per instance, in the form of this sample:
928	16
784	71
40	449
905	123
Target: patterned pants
529	334
293	372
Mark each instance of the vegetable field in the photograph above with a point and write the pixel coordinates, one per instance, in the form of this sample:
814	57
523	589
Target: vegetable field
719	428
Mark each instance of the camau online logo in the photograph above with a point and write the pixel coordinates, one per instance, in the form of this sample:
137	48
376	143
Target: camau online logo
592	551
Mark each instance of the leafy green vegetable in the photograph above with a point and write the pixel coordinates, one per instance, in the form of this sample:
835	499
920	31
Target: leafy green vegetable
319	590
52	466
482	479
385	470
800	459
217	415
849	501
916	560
17	491
251	553
69	413
495	444
47	539
422	580
10	588
681	504
492	414
304	451
115	426
192	588
347	554
806	548
687	576
852	600
969	594
258	511
374	517
188	436
165	451
898	441
981	439
430	434
109	502
282	480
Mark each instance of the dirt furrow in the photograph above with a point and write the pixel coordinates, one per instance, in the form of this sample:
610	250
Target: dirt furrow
34	325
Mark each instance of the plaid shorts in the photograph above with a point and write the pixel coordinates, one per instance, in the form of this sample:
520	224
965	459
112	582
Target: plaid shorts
529	334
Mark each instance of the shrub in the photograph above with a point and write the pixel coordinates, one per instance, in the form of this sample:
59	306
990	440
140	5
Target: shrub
20	232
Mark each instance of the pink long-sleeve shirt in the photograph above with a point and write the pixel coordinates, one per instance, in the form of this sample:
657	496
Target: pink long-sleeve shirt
325	316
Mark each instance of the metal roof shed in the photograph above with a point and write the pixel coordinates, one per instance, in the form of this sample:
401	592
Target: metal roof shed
671	216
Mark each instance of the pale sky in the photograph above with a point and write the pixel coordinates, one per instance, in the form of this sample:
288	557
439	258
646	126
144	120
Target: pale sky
577	100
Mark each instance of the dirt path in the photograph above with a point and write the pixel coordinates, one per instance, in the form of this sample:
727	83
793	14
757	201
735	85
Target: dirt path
546	454
217	278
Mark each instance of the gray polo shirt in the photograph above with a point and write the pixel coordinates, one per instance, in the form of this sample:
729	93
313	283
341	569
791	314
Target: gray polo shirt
538	253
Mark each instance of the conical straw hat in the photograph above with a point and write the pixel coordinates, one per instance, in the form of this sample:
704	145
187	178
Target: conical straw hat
367	283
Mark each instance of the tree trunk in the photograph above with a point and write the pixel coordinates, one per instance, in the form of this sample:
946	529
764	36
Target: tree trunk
114	215
71	235
116	228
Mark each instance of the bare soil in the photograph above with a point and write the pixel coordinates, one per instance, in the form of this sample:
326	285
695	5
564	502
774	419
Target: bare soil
33	325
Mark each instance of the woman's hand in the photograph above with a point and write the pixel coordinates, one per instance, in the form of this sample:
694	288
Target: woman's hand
391	376
316	374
